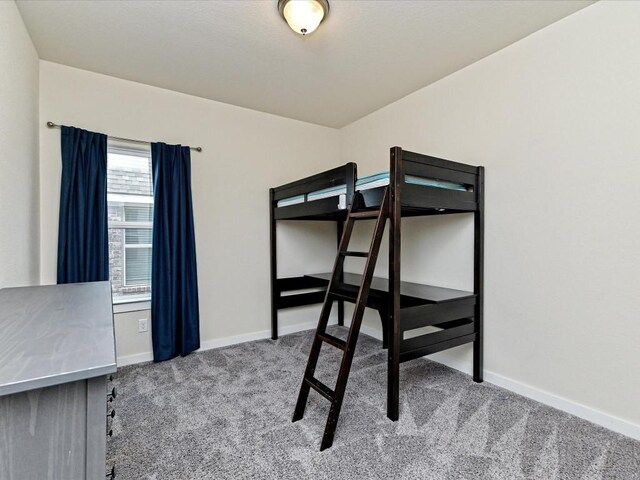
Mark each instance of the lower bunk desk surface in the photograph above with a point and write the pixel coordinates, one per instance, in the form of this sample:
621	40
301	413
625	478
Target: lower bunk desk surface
445	315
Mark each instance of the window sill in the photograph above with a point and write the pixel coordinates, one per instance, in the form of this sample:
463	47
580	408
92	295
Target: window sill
124	306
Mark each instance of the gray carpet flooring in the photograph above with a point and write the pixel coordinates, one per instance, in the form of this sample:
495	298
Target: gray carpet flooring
226	414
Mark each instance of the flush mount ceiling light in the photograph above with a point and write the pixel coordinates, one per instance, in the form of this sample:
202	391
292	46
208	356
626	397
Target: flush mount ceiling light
303	16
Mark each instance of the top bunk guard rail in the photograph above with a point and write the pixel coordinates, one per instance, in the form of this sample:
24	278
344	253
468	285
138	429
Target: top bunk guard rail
417	199
344	175
326	208
439	169
419	161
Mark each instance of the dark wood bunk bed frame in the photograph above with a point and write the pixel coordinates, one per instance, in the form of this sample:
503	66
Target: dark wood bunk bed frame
402	306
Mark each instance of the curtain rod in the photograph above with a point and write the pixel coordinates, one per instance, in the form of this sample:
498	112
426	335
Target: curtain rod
122	139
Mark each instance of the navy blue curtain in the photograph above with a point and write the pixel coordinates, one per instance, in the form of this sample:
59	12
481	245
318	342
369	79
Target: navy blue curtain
175	324
83	244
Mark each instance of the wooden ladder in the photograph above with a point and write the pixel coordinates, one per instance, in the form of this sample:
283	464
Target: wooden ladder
336	291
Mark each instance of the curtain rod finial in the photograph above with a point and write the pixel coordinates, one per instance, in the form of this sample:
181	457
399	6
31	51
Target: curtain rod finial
198	149
51	124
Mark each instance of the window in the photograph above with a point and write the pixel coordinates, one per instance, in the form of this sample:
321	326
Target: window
130	205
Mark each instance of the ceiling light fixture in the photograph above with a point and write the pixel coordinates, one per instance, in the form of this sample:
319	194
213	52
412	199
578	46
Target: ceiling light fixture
303	16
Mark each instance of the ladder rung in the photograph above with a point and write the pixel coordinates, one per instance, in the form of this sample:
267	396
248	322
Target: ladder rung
365	214
335	341
320	387
356	254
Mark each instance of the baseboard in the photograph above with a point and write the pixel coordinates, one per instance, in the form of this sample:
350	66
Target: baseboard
582	411
250	337
125	360
592	415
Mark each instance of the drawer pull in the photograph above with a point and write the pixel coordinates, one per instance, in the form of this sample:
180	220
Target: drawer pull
112	413
112	395
112	474
110	433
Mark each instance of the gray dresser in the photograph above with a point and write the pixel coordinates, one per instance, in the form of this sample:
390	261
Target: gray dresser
57	348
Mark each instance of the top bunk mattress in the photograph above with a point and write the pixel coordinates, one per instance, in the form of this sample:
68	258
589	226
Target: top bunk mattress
376	180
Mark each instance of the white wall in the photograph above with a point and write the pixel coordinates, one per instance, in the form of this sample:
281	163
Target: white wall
245	153
555	118
19	228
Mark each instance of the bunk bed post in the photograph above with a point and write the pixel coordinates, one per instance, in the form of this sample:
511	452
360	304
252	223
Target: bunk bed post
340	229
274	266
395	214
478	276
350	176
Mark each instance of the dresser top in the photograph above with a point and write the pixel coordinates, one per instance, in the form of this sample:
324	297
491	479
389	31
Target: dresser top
55	334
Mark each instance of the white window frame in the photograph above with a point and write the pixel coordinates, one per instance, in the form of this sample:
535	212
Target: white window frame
134	303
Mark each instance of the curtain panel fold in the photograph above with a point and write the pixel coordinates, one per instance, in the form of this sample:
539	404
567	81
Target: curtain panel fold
83	244
174	284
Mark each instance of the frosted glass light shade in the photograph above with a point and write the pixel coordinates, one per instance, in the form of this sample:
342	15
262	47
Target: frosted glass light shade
303	16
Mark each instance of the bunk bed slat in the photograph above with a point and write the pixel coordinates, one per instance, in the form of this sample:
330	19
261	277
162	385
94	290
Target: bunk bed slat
439	173
433	314
298	283
450	330
327	207
310	298
290	284
436	162
438	347
425	199
419	196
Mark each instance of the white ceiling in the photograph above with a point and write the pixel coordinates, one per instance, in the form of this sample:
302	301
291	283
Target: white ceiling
365	55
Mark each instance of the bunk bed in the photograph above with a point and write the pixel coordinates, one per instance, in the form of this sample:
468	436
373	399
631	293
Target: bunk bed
416	185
